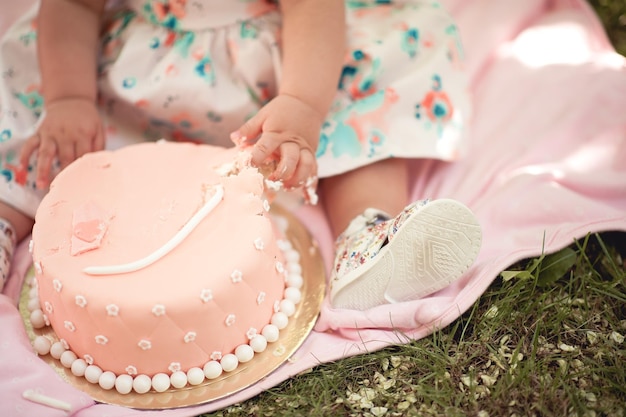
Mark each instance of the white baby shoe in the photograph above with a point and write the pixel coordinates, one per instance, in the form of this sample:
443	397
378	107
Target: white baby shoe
381	260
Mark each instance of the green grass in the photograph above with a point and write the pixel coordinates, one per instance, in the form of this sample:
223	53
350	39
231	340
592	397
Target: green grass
546	339
613	15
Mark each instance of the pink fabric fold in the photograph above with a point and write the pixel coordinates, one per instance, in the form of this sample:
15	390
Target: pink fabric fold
547	165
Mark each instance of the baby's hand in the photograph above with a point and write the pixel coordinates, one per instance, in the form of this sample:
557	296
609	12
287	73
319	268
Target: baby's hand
288	130
70	129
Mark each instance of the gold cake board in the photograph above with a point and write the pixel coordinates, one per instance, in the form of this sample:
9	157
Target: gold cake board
246	374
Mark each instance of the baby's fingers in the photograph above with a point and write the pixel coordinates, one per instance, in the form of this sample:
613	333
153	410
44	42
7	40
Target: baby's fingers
45	157
265	148
248	131
304	171
30	146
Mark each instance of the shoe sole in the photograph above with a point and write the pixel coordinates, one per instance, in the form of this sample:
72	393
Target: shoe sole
434	247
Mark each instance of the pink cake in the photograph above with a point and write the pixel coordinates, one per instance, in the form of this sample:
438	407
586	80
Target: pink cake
158	265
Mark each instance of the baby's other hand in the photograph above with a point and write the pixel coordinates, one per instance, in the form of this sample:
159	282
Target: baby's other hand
70	129
286	129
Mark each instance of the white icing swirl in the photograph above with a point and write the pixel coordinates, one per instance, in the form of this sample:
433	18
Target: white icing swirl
193	222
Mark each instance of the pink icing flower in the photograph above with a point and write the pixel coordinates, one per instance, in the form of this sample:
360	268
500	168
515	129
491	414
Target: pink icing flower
81	301
189	337
101	339
144	344
206	295
112	310
158	310
236	276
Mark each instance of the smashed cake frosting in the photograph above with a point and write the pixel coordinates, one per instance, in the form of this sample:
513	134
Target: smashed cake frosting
159	262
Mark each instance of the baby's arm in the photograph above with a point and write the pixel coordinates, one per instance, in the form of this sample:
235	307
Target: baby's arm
68	46
313	45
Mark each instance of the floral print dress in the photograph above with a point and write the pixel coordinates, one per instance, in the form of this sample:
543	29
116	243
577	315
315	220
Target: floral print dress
195	70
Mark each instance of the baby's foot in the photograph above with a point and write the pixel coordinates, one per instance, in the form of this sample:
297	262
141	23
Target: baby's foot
425	248
7	247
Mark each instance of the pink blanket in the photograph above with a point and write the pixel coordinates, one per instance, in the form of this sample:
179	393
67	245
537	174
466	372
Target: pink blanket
547	166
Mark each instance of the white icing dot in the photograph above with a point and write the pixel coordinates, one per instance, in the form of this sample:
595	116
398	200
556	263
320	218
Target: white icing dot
37	320
178	379
33	291
229	362
142	384
124	384
236	276
230	320
57	285
101	339
259	244
144	344
294	281
280	320
33	304
67	358
112	310
69	326
206	295
88	359
266	205
56	350
30	246
78	367
283	244
42	345
270	332
190	337
212	369
292	256
216	356
46	321
158	310
107	380
131	370
174	367
258	343
279	267
38	268
276	306
195	376
260	298
92	374
64	343
244	353
293	294
48	307
295	268
81	301
251	333
161	382
287	307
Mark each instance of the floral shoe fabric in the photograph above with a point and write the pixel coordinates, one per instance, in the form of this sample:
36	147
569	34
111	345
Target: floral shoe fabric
422	250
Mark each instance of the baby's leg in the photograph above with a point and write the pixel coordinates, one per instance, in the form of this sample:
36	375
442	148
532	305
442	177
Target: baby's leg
388	251
382	185
14	226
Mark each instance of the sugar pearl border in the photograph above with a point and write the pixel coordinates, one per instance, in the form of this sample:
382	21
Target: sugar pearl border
141	384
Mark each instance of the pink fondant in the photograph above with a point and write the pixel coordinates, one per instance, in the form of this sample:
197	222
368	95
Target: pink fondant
154	189
89	224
